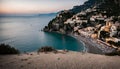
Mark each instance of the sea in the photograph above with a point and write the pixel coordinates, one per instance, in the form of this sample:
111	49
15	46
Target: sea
24	33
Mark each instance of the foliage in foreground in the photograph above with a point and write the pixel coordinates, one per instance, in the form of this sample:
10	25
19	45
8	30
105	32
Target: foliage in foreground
46	49
7	49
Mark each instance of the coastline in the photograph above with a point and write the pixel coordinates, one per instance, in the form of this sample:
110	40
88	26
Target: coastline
89	48
80	40
95	46
91	58
90	45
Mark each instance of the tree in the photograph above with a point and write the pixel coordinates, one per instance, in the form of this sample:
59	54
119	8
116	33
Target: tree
7	49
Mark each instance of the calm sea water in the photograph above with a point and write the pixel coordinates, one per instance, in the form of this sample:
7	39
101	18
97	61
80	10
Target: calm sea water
24	33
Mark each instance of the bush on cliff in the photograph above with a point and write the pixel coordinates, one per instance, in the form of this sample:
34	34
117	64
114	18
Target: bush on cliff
46	49
7	49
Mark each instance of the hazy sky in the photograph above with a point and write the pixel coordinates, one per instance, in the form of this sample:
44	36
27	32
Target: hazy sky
37	6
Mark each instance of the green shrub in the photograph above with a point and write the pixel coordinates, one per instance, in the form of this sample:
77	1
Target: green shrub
46	49
7	49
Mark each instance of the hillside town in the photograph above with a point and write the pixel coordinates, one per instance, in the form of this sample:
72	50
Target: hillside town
98	27
93	23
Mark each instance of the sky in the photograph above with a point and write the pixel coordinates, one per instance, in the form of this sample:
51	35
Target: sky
36	6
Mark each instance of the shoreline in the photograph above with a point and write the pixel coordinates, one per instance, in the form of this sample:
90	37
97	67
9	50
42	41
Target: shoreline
71	35
85	47
89	48
88	44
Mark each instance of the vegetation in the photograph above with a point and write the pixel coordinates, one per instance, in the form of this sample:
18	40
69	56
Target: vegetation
7	49
113	53
46	49
94	14
112	7
60	19
87	4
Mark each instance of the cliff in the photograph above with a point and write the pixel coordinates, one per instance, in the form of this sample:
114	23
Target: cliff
111	7
96	19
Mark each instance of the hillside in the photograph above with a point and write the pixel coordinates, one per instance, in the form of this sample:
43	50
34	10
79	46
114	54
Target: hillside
95	19
112	8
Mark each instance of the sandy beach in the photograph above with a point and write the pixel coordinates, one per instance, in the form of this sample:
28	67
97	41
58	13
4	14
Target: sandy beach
89	46
92	58
92	45
68	60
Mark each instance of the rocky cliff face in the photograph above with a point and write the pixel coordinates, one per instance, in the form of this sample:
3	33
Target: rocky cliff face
106	8
57	23
109	5
96	19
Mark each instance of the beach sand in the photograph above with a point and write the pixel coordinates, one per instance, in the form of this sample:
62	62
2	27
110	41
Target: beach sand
62	60
67	60
92	45
89	45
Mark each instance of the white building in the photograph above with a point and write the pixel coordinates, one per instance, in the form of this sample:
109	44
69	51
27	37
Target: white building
113	30
92	19
88	10
69	21
82	13
84	33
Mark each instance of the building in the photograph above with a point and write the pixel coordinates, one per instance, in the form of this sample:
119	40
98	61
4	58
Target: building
94	36
113	31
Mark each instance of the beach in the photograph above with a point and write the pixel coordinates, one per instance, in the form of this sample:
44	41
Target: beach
60	34
89	46
94	46
67	60
91	58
